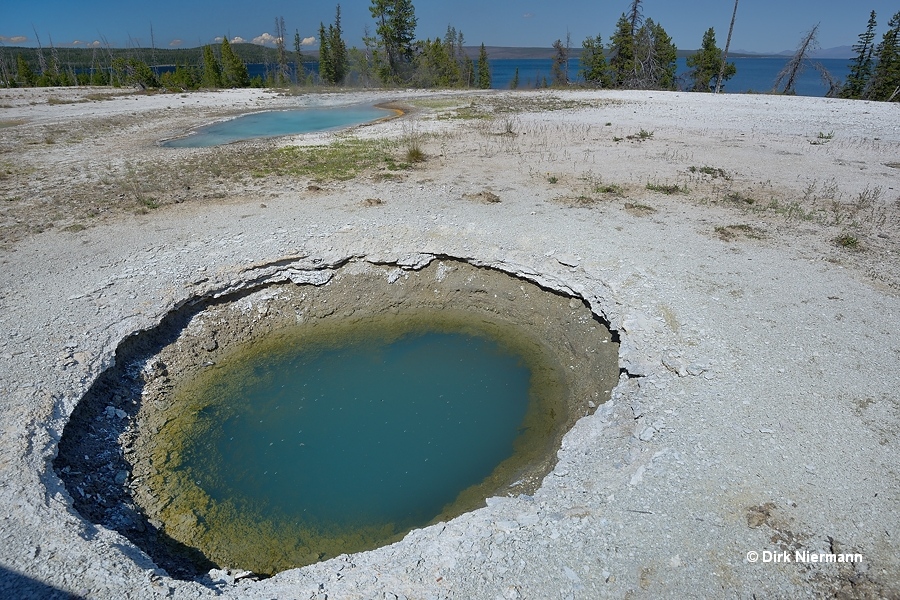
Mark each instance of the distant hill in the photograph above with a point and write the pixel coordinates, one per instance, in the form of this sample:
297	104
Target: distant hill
836	52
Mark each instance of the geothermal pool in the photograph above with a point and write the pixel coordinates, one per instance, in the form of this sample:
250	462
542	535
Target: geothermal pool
277	123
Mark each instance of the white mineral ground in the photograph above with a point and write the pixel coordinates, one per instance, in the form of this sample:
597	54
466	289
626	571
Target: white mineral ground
764	413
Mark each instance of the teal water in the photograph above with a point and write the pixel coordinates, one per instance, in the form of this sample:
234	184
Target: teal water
366	434
277	123
342	436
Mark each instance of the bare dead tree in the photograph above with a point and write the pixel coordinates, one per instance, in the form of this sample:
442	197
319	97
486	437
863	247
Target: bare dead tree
635	16
725	53
833	83
42	62
55	63
152	44
795	65
280	33
6	71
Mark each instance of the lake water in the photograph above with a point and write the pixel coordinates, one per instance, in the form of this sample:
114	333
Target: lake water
756	74
753	74
277	123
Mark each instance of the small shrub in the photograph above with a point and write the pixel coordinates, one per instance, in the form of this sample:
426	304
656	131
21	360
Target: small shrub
552	179
414	153
640	136
667	189
847	241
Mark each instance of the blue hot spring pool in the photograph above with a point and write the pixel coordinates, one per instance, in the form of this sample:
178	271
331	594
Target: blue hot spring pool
277	123
297	448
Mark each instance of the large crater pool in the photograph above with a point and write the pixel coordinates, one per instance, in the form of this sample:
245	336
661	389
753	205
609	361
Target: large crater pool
287	424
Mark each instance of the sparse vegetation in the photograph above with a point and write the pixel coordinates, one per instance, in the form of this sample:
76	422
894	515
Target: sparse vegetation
731	232
342	160
668	189
639	209
713	172
641	135
739	197
847	241
609	188
822	138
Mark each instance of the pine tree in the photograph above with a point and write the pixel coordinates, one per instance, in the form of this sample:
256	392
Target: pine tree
338	48
560	70
659	66
484	70
514	84
861	67
621	62
332	52
25	76
706	64
234	71
326	74
886	78
593	63
212	71
396	28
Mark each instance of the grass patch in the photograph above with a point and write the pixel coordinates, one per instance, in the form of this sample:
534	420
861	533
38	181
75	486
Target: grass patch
668	189
731	232
552	179
147	202
739	198
639	209
415	154
713	172
75	228
640	136
612	189
340	161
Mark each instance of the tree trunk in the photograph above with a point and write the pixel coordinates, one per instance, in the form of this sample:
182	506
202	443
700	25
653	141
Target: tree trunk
725	53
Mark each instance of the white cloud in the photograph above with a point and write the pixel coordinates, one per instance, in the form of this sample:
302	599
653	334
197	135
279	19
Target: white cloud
528	15
77	42
217	38
16	39
175	43
95	44
265	38
310	41
238	40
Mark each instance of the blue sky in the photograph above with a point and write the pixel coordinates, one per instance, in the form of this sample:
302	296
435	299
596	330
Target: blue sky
761	26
